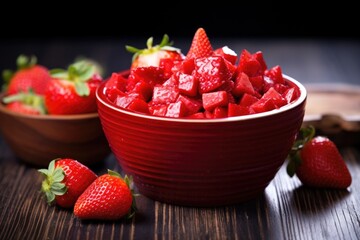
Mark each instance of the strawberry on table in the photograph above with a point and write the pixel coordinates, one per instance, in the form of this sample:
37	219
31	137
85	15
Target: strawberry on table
29	75
152	55
72	91
317	162
109	197
25	102
65	180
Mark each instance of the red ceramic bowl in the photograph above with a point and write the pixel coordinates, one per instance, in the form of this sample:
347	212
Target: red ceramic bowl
202	162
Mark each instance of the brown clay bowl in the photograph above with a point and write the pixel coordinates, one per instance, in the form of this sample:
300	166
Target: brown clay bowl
39	139
202	162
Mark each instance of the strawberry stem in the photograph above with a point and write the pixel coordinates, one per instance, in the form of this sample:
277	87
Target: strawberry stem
304	136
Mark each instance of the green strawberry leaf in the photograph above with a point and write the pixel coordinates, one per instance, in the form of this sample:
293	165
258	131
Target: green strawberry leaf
82	89
24	61
132	49
59	73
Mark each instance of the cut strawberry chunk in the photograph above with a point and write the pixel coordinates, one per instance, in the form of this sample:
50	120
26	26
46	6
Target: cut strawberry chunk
275	74
257	82
260	58
214	99
226	53
212	72
242	85
157	109
144	90
192	105
220	112
167	64
198	115
291	94
151	75
237	110
247	100
165	94
276	97
139	105
176	109
249	64
188	85
125	99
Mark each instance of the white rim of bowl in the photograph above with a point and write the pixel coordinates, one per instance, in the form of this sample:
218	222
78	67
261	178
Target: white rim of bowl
302	97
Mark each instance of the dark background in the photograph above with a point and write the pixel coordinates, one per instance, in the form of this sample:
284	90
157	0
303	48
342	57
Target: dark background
63	31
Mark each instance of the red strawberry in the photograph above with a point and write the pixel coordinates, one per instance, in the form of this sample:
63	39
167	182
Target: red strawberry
109	197
72	91
152	55
200	45
65	180
29	75
25	102
317	162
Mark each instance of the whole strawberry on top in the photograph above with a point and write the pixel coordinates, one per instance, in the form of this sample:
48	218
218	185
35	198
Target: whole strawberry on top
72	91
317	162
29	75
109	197
152	55
25	102
65	180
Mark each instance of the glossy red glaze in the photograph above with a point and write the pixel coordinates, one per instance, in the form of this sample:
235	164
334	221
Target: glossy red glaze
197	162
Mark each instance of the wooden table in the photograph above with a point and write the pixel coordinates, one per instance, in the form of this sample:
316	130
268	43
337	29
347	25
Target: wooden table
285	210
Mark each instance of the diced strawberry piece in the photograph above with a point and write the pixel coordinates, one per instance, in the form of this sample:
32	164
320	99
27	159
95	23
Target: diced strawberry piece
173	80
165	94
198	115
275	74
151	75
220	112
237	110
143	89
232	68
113	93
192	105
280	88
214	99
187	66
276	97
200	45
248	64
260	58
208	114
157	109
212	72
188	85
115	84
263	105
291	94
242	85
247	100
226	53
257	82
176	109
139	105
167	64
125	100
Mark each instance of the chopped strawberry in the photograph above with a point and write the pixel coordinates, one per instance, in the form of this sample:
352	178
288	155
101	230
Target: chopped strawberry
275	74
188	85
176	109
237	110
212	72
215	99
226	53
242	85
165	94
249	64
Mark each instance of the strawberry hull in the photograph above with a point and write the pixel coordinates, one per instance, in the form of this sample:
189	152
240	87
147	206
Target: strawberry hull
202	162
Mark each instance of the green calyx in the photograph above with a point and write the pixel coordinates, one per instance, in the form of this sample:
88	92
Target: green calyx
305	135
129	182
79	73
165	44
52	185
28	98
22	62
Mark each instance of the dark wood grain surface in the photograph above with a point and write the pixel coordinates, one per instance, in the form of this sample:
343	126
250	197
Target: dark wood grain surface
285	210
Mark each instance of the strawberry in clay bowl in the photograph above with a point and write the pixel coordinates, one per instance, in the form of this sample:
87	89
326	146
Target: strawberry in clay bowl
45	113
208	128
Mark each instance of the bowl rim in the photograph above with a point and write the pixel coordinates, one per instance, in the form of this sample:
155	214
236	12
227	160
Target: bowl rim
294	104
45	116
